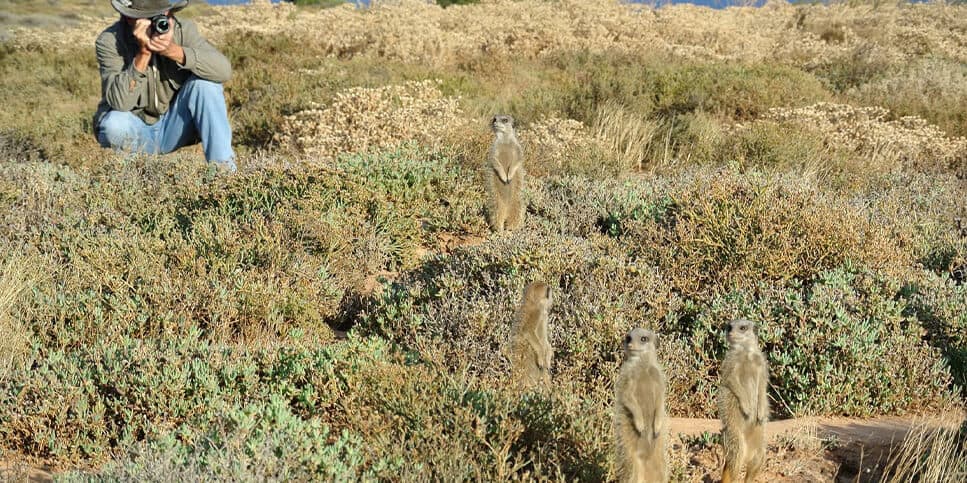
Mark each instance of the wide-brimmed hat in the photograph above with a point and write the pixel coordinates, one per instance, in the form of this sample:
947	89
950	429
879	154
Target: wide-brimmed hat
146	8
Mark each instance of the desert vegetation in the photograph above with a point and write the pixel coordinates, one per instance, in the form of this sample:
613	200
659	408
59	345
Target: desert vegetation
801	166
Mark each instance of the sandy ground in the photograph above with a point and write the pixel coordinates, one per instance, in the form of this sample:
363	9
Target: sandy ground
800	450
816	448
16	470
876	431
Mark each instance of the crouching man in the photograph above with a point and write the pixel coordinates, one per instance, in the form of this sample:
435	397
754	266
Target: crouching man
161	84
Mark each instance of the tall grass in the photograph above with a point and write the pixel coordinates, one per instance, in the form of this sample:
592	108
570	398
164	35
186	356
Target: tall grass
629	136
15	338
930	455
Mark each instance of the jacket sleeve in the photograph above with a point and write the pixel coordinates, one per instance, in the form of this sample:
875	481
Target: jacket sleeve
121	85
201	57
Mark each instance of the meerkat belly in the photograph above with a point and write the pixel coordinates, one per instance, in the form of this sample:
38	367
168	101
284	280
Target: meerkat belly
504	190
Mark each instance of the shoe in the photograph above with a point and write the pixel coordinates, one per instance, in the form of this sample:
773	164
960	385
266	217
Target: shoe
224	167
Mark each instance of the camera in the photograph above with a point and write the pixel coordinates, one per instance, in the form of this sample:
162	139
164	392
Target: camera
160	24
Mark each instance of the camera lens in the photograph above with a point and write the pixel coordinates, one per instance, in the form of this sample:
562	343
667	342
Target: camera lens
160	24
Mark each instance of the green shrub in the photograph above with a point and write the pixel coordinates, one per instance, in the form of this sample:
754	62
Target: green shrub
738	249
351	410
717	230
258	442
832	345
941	304
773	146
840	336
265	253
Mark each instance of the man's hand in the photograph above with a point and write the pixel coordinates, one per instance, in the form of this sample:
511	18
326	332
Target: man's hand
160	43
165	45
140	31
155	43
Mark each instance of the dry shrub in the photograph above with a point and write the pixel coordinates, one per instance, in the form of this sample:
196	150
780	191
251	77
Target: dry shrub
908	143
15	147
718	231
469	144
857	66
804	453
425	33
800	148
363	118
565	146
930	454
932	88
907	30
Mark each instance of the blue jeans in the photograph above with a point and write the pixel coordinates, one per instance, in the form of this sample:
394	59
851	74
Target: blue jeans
197	112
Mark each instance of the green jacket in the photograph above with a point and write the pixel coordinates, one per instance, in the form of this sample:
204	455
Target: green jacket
148	94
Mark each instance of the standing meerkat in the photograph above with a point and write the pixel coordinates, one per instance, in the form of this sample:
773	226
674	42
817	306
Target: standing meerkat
743	403
505	175
530	351
639	412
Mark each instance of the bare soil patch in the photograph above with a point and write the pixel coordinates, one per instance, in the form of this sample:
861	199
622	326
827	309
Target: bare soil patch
17	468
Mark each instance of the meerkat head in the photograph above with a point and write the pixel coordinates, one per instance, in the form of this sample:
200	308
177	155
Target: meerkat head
538	293
502	124
741	332
639	342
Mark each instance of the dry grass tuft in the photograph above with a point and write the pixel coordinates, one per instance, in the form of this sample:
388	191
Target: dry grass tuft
930	455
14	336
628	136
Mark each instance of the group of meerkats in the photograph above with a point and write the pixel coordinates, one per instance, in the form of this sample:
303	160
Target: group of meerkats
639	418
